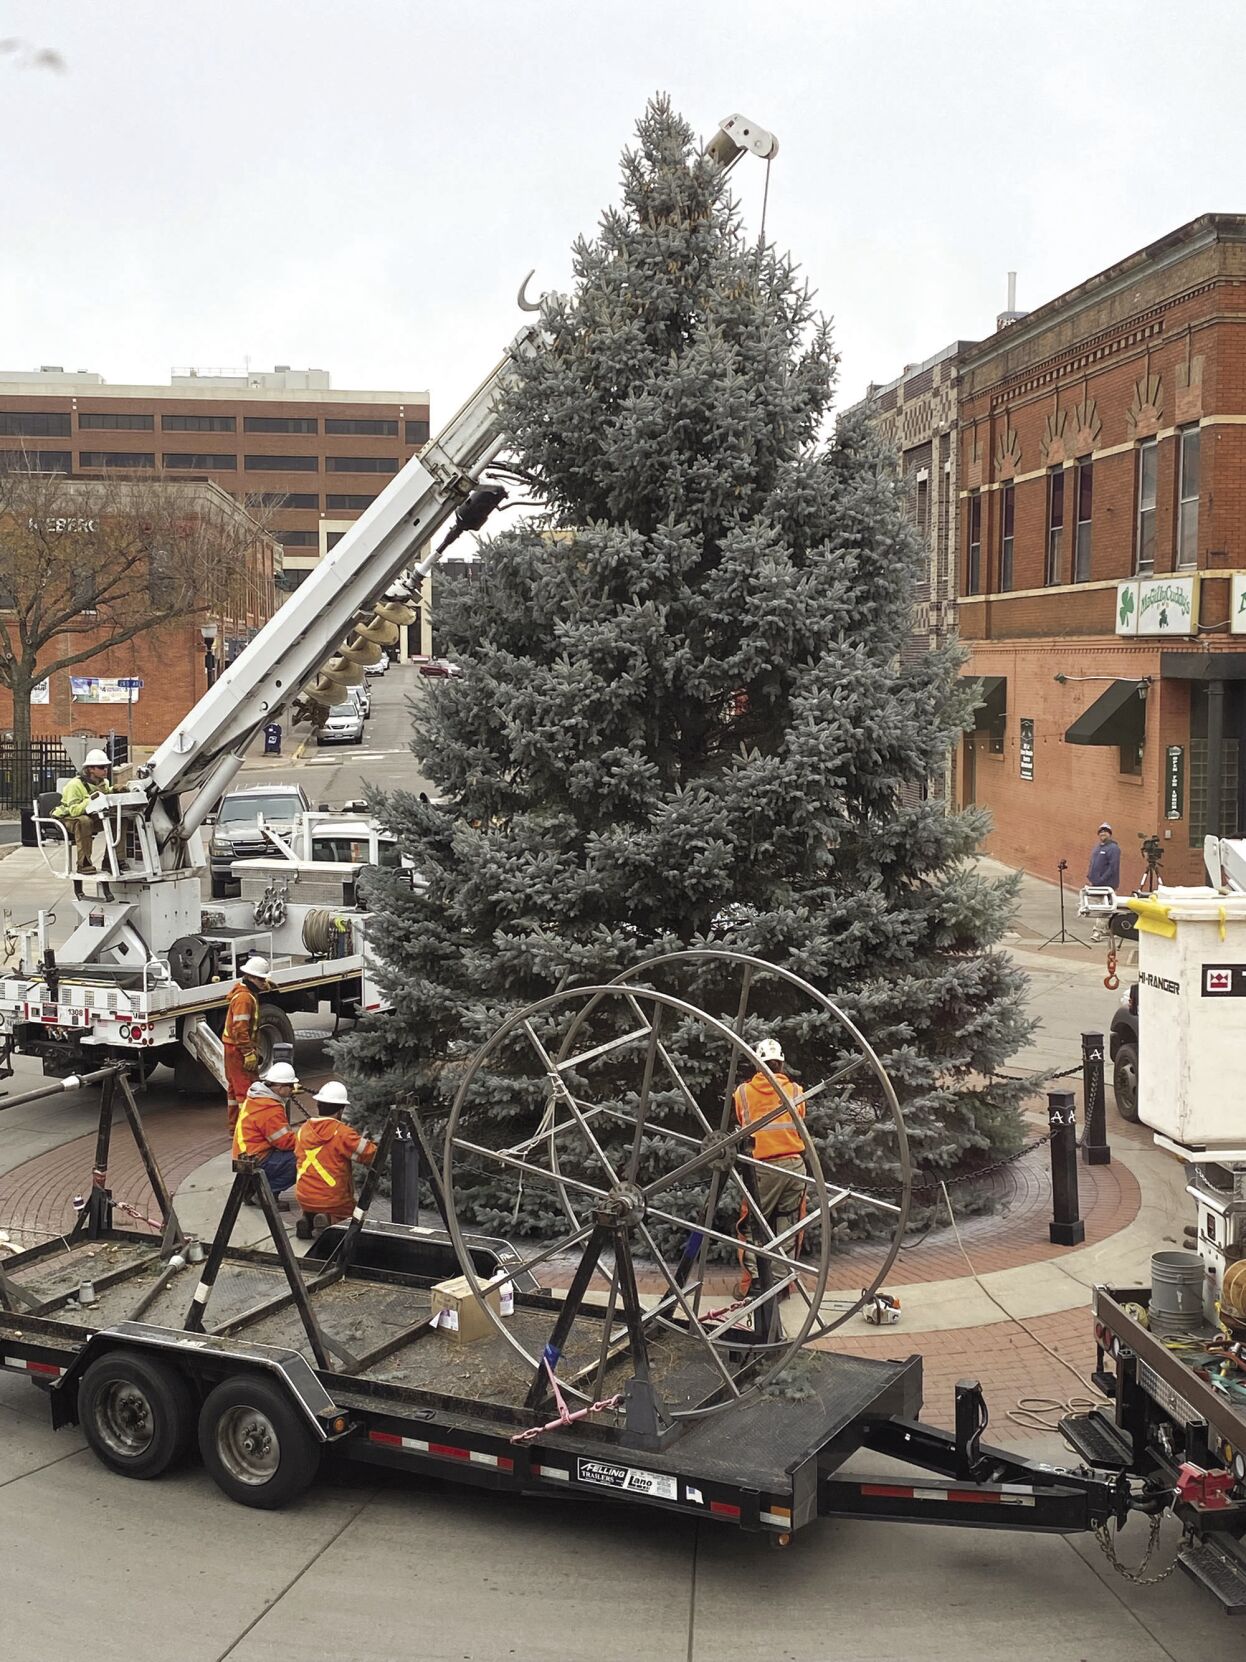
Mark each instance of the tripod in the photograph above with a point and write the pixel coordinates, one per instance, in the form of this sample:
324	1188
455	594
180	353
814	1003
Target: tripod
1062	935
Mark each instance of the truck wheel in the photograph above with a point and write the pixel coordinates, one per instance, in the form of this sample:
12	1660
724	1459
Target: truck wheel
276	1028
136	1413
255	1444
1125	1083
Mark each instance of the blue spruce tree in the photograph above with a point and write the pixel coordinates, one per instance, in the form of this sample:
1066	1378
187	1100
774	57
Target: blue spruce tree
686	715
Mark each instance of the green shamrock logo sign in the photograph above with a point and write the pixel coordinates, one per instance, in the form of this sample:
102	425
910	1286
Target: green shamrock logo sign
1127	606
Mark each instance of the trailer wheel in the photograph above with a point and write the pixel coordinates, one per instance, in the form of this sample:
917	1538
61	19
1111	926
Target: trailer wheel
136	1413
276	1028
1125	1083
255	1444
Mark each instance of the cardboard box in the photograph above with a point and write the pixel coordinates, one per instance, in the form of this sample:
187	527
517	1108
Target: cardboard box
461	1314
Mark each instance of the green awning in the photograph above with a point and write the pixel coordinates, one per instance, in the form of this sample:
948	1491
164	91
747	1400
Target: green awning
1117	716
994	690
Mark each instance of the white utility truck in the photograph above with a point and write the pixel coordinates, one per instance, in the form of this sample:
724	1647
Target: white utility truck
148	967
1172	1355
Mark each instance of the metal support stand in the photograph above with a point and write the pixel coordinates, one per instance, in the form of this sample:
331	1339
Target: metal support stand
1066	1227
404	1164
1062	935
1095	1150
96	1217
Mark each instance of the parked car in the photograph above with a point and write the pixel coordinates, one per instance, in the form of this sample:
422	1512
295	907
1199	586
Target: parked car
342	725
440	666
379	667
363	698
1123	1050
236	834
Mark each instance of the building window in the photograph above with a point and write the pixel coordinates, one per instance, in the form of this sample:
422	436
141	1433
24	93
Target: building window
279	424
35	424
201	461
1085	504
1144	532
364	429
37	461
362	464
282	464
298	539
1187	498
287	499
119	421
349	501
1007	520
973	574
199	423
332	538
116	458
1055	523
1131	759
417	432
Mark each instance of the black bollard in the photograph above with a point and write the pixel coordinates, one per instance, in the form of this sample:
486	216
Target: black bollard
1066	1227
404	1170
1095	1150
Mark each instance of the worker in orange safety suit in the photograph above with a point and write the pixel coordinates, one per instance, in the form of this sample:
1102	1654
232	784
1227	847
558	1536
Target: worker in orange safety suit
780	1186
242	1033
324	1147
263	1130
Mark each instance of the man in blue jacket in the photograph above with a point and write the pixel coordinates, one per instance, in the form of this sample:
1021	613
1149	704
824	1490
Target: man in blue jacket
1104	871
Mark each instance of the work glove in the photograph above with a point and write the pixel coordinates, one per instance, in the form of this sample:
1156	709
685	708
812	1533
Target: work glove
251	1061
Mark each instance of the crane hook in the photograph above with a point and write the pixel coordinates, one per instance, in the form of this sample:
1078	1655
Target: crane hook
526	305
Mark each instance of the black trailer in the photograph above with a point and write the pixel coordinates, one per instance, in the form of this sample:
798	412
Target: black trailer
267	1362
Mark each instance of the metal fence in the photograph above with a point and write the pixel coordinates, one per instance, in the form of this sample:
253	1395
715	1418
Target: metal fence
27	769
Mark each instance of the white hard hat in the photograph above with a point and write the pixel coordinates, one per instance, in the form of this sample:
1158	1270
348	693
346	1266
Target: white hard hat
279	1073
255	965
333	1095
96	759
769	1050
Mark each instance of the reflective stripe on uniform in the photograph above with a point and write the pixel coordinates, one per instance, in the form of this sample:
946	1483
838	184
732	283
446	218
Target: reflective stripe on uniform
312	1159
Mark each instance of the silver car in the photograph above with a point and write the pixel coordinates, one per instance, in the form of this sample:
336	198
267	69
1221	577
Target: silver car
343	725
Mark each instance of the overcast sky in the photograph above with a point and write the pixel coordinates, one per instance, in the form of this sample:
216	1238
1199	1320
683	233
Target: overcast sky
359	187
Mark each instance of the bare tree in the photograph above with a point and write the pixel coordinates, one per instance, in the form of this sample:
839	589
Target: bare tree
86	565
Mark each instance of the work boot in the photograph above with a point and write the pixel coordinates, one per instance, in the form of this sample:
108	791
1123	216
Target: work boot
86	869
303	1227
319	1222
283	1205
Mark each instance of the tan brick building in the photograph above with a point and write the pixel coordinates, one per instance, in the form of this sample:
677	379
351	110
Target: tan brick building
318	456
1102	481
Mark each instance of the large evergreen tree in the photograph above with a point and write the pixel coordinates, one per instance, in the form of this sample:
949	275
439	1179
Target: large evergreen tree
686	714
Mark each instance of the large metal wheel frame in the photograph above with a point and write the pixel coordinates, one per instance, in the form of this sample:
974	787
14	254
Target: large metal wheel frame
716	1157
750	969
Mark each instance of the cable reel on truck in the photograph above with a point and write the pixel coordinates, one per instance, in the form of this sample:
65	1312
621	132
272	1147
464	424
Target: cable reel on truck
625	1126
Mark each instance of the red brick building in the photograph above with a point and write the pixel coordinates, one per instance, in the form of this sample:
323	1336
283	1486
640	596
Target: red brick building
1102	496
170	661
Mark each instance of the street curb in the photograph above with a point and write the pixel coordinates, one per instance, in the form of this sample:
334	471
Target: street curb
297	755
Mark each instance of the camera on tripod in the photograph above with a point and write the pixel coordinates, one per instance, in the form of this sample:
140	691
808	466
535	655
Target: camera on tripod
1153	854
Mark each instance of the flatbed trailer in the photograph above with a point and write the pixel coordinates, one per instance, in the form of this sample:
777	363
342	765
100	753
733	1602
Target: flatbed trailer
269	1361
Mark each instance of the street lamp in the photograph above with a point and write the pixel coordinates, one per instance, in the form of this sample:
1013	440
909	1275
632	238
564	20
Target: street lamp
209	631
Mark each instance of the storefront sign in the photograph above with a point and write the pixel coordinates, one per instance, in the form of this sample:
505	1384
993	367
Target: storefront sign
1157	606
96	689
1027	747
1237	604
1174	782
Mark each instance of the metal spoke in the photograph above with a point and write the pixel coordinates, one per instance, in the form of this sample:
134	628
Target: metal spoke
729	1240
695	1325
523	1165
674	1072
550	1251
560	1088
729	1141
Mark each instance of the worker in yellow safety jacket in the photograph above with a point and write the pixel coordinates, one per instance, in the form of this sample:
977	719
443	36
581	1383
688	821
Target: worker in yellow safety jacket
90	780
779	1146
242	1033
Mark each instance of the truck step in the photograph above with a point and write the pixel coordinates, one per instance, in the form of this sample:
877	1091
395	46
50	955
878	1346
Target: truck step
1097	1440
1220	1569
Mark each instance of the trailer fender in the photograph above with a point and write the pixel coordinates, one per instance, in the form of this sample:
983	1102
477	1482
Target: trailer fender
207	1360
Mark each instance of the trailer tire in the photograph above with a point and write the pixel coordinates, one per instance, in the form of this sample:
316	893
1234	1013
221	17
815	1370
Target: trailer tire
255	1443
136	1413
275	1028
